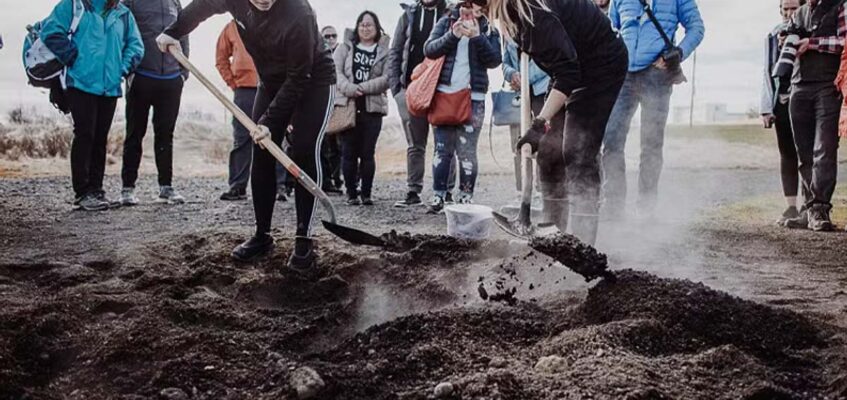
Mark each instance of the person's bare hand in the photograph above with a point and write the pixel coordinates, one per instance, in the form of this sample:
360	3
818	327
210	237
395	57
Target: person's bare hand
459	29
516	81
660	64
260	133
359	92
802	46
768	120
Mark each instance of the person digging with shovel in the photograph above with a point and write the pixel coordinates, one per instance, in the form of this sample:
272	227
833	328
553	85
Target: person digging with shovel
572	41
296	88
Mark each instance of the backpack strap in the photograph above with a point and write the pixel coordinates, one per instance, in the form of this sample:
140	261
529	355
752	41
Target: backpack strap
649	11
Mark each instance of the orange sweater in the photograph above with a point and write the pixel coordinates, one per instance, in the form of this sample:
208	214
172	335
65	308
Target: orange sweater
232	60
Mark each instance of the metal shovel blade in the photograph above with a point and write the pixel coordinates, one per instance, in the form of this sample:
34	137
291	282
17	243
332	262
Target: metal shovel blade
520	227
354	236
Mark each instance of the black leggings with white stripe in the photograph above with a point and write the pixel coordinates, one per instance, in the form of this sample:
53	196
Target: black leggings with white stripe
309	122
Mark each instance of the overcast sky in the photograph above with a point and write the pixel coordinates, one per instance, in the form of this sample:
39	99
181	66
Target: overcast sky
728	61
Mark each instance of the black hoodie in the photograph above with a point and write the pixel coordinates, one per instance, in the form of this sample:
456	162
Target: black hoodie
575	44
285	43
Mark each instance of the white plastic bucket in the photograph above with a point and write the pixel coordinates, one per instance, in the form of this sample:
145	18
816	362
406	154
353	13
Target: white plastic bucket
468	221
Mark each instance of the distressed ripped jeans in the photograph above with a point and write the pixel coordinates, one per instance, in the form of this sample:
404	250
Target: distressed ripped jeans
460	142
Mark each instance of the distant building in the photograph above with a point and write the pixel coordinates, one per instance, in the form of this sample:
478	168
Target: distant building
710	113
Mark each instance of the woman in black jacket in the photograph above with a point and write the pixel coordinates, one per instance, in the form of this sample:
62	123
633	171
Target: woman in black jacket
296	88
573	42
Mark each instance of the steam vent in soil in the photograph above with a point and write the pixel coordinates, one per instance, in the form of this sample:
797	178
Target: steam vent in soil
185	322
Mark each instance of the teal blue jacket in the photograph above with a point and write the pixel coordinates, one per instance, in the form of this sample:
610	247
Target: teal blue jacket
105	48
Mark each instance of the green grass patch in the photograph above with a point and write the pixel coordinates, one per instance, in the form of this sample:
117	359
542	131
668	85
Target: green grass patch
768	208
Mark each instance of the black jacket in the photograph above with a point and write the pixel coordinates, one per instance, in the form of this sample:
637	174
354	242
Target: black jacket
152	17
574	43
484	50
285	43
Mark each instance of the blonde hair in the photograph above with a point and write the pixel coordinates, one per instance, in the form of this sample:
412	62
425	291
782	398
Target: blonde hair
498	10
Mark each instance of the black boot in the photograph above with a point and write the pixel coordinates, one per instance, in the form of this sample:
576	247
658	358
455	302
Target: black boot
303	262
253	248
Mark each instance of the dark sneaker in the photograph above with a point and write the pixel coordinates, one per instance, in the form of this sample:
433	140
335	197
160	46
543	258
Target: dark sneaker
92	202
253	248
330	189
234	195
367	201
789	213
280	197
101	195
465	198
801	222
448	198
353	201
412	199
168	195
128	197
303	263
436	205
819	220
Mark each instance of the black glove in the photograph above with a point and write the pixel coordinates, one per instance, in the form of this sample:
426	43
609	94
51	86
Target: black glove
673	58
533	135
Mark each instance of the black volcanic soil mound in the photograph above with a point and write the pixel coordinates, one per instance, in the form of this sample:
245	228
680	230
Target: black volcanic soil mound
184	317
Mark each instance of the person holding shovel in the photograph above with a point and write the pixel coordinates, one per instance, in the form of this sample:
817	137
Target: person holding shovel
296	88
572	41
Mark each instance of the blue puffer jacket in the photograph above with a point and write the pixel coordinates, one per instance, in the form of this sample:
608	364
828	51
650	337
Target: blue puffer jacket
484	50
103	50
640	35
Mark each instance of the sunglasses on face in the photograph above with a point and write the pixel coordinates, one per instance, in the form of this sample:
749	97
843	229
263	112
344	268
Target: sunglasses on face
331	36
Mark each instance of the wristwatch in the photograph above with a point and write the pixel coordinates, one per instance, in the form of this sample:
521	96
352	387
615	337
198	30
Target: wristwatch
541	124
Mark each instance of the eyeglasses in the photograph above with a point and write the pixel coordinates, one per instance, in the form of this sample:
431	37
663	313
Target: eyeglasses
331	36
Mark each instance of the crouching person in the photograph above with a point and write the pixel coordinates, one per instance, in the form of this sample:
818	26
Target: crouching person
471	48
157	86
296	87
106	48
360	64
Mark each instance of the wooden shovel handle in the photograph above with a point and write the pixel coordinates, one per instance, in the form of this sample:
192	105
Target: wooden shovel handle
251	126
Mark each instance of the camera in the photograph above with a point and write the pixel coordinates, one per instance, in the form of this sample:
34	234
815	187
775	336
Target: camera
784	67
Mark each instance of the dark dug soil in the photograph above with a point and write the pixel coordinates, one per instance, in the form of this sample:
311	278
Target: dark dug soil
574	254
641	338
144	303
187	318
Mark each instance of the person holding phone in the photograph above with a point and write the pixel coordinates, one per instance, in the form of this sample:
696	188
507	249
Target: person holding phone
471	48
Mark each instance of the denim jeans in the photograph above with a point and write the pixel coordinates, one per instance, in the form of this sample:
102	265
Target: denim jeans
417	134
651	88
460	142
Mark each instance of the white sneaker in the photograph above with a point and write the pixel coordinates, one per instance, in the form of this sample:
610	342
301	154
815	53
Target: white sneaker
168	195
128	197
465	198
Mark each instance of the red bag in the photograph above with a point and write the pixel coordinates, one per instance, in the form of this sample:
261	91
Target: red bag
451	109
421	90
